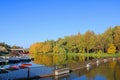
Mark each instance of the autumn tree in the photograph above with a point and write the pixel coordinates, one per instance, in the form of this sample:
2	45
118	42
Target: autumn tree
60	46
89	42
89	39
56	49
99	43
47	47
36	49
111	49
117	37
108	37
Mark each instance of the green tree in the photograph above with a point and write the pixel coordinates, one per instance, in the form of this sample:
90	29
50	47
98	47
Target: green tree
4	48
61	45
16	47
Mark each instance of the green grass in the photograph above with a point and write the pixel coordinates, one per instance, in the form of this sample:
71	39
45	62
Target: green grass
93	55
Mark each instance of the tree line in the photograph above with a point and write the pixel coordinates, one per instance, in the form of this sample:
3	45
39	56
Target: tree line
89	42
5	48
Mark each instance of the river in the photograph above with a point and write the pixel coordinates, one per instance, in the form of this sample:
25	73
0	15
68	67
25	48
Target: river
104	71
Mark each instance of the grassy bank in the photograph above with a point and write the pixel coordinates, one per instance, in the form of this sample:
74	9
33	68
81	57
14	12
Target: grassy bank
94	55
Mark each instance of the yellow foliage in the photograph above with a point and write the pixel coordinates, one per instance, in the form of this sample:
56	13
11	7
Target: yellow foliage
56	49
111	49
40	47
36	48
47	47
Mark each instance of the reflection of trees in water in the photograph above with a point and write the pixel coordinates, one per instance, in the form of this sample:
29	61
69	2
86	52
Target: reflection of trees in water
49	59
110	71
117	71
57	59
72	60
44	59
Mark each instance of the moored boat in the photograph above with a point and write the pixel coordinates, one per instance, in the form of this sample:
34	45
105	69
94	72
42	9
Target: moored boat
14	59
25	58
13	67
25	65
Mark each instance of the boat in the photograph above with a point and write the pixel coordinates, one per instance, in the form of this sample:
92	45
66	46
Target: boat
14	59
25	65
25	58
3	70
14	67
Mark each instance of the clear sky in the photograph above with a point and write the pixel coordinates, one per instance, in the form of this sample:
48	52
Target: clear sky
24	22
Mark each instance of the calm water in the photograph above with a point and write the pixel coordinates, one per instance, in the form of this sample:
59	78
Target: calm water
106	71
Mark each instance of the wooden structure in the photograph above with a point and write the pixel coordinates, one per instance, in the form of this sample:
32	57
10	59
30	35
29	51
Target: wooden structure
63	70
20	51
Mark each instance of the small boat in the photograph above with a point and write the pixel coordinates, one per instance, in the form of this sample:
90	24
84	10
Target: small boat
2	69
14	59
25	65
25	59
13	67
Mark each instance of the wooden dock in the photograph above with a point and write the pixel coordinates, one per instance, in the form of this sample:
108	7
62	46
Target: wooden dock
61	71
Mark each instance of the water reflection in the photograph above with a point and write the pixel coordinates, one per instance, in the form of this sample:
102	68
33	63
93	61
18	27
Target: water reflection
58	59
108	71
105	71
49	60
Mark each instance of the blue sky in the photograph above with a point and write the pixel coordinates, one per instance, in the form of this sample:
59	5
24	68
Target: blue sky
24	22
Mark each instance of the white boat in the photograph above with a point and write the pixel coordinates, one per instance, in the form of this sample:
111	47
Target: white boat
14	59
